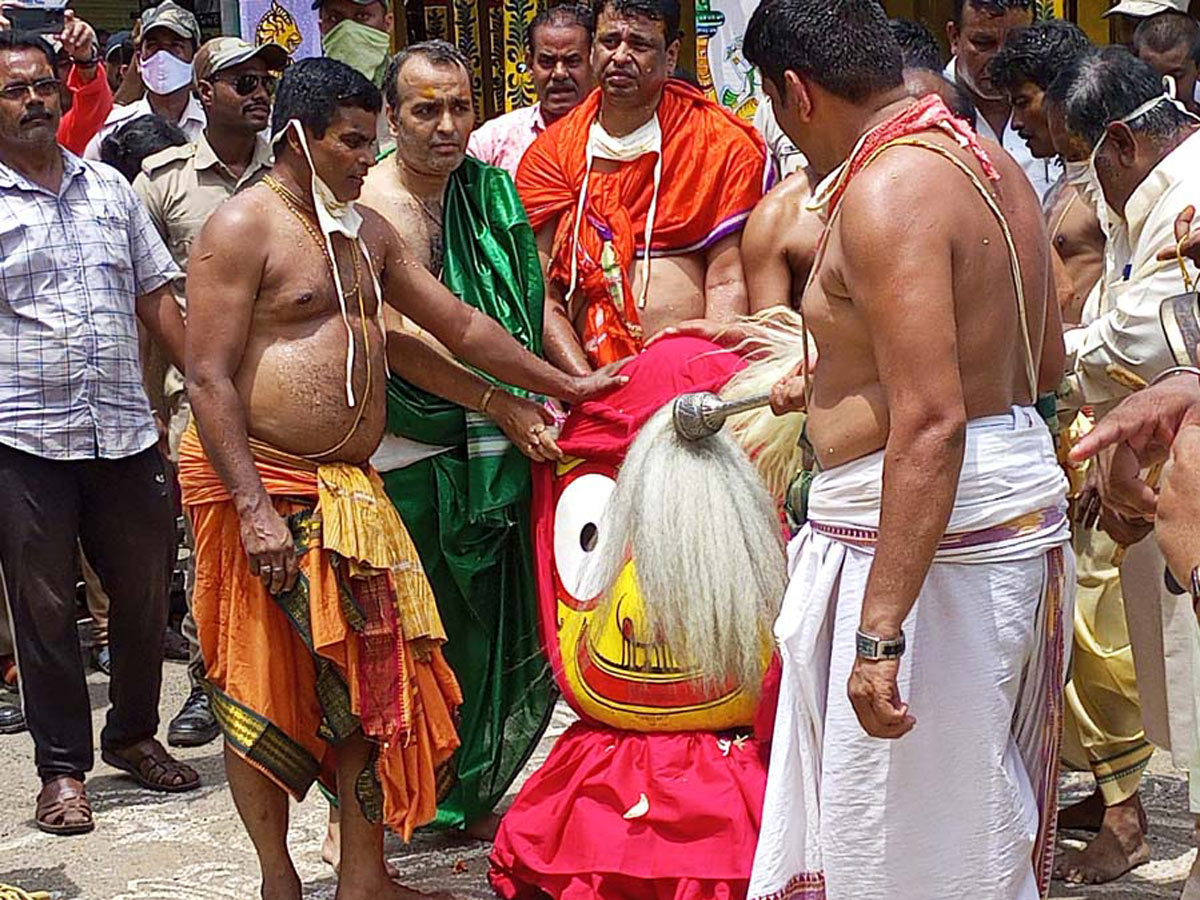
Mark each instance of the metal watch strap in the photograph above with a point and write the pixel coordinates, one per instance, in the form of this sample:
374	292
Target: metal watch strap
1194	588
873	648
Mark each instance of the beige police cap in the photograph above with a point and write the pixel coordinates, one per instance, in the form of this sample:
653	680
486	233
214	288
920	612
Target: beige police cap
170	14
226	52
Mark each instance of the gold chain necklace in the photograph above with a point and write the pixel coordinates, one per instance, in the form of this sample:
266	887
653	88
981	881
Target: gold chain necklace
293	203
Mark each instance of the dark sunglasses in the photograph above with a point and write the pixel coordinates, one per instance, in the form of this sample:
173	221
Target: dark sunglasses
43	88
247	84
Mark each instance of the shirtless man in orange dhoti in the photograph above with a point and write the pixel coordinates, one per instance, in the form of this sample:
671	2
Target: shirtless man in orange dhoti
319	631
638	197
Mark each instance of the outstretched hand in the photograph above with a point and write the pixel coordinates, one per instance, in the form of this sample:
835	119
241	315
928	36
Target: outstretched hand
598	383
875	695
1146	422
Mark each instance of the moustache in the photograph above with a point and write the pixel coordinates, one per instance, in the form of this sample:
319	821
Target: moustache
36	115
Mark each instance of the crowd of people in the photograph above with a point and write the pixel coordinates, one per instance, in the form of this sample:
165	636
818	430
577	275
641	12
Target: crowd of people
409	493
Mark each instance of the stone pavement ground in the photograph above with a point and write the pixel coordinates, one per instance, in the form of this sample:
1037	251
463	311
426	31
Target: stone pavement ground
150	846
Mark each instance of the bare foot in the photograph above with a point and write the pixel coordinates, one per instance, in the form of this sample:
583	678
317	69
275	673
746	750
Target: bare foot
484	829
284	886
1086	815
331	852
1119	847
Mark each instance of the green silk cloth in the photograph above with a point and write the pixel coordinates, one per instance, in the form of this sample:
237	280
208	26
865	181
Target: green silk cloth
468	508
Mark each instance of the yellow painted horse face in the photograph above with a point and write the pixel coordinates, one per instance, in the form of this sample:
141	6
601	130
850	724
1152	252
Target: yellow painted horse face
609	667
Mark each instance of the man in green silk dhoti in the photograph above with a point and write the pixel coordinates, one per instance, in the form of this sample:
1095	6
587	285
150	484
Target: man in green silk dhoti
461	485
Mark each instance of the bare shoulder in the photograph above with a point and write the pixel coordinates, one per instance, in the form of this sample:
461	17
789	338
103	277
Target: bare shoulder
380	235
780	206
242	221
904	196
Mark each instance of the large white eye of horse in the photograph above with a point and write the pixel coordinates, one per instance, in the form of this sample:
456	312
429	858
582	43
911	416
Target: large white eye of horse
577	531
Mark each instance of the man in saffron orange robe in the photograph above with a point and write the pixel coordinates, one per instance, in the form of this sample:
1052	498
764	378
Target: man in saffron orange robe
638	197
321	638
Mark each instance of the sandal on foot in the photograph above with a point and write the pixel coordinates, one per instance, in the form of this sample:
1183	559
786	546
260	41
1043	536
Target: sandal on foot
152	767
63	808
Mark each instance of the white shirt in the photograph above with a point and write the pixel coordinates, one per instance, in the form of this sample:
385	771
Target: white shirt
1123	327
1043	173
784	155
192	123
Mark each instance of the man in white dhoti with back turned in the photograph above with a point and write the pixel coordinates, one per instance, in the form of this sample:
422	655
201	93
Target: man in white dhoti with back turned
938	516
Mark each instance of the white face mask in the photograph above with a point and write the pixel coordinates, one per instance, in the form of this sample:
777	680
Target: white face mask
602	145
165	73
1168	96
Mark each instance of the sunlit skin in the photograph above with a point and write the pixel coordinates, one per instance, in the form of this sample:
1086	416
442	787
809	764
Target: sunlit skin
980	37
1179	64
1029	118
226	109
632	58
560	67
346	152
373	15
435	116
1075	231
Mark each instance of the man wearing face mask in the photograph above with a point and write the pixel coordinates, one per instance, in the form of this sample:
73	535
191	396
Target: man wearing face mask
1145	153
170	37
466	502
359	33
560	44
639	196
287	376
182	187
1103	732
977	33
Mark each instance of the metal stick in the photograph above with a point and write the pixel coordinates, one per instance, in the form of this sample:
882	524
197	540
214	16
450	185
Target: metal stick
700	415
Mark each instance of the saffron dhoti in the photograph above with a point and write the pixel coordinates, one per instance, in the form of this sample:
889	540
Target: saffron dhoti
353	647
963	805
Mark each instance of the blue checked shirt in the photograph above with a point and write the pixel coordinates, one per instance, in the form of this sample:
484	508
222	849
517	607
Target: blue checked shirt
71	268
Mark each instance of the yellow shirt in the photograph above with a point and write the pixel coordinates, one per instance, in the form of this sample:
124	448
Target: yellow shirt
183	186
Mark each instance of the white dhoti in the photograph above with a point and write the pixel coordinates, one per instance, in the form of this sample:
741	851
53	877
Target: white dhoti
963	805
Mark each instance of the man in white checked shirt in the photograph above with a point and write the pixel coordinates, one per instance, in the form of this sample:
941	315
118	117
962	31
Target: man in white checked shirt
80	264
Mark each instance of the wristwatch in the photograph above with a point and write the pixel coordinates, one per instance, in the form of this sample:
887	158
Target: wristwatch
1194	589
873	649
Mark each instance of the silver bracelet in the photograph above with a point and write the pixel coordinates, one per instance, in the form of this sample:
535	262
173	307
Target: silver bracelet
1174	370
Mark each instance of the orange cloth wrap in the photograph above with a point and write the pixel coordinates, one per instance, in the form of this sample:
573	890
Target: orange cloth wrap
266	689
714	172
